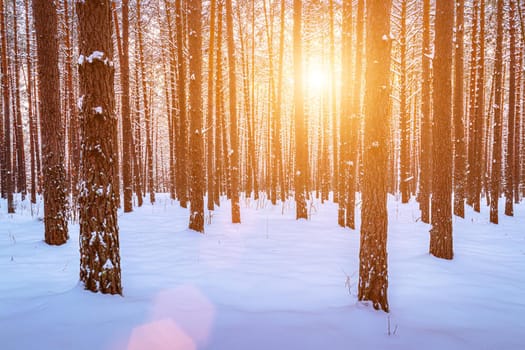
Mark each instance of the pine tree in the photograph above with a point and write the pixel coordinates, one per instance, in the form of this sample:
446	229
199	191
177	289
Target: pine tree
373	272
7	171
54	181
99	236
301	152
425	185
235	149
509	157
498	113
459	112
196	117
441	231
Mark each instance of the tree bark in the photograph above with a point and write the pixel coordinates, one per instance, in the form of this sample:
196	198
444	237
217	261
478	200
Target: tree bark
441	231
196	116
373	271
99	239
55	187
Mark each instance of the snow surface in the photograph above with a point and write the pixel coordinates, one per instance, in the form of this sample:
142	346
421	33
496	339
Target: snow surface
269	283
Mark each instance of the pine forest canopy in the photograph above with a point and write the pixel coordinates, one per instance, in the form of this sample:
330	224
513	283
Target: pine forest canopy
106	103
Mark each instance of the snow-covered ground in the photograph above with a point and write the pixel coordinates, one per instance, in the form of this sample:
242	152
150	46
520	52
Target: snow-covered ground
269	283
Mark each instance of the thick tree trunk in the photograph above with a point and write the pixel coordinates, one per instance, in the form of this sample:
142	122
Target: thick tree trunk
441	231
99	240
55	188
373	271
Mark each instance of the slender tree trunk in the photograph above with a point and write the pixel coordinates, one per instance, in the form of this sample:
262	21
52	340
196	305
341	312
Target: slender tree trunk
480	111
147	112
509	158
519	130
234	152
182	127
127	136
345	167
219	110
7	172
459	112
301	152
356	116
373	272
21	164
405	114
472	104
210	125
498	112
196	117
72	114
441	232
425	185
30	113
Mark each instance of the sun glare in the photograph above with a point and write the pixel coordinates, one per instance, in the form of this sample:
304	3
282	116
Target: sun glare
316	78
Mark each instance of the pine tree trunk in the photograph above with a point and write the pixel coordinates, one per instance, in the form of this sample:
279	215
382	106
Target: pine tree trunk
99	239
373	272
147	112
30	113
54	181
234	158
210	126
356	117
7	171
21	163
345	167
72	113
459	112
127	135
425	185
301	152
509	157
498	112
519	130
441	231
182	125
404	122
196	117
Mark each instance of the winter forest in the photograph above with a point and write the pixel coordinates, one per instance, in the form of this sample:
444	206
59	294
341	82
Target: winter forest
256	174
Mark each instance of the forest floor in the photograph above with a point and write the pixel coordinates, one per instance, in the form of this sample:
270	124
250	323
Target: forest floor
269	283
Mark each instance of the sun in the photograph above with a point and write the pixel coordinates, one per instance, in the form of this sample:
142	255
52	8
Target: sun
316	78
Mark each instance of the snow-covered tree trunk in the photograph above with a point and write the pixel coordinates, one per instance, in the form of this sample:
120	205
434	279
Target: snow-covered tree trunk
99	239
